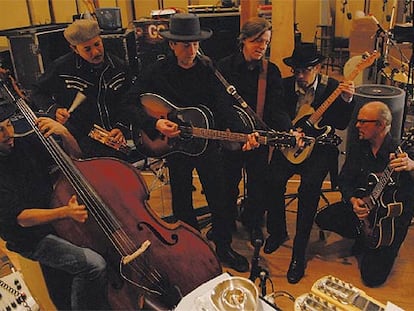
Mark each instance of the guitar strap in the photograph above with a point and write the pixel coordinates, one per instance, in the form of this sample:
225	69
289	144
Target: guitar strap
261	97
261	89
231	90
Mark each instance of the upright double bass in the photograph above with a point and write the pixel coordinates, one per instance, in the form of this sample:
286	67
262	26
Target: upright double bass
146	256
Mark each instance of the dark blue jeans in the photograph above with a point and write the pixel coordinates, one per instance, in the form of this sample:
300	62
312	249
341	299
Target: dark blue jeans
87	268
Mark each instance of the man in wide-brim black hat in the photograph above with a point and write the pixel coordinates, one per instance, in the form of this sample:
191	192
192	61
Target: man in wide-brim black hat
305	91
186	82
304	55
185	28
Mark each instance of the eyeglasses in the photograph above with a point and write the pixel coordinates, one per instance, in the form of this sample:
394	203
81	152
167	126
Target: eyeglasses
363	121
301	70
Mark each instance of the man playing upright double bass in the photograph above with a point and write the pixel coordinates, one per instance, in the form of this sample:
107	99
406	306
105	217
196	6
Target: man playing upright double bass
26	187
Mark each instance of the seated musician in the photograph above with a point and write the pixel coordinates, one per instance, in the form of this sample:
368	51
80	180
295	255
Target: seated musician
25	216
83	88
374	151
305	90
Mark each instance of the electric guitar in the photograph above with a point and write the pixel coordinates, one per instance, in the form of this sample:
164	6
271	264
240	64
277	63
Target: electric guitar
379	226
195	125
307	118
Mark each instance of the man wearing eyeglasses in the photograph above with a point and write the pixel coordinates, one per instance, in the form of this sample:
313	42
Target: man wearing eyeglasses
372	153
306	88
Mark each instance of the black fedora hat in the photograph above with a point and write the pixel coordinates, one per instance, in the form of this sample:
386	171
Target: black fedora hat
185	27
304	55
6	110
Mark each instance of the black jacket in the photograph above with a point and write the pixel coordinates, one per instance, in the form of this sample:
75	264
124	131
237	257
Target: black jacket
244	77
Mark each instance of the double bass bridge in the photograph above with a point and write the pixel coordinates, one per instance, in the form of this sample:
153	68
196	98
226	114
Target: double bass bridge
128	258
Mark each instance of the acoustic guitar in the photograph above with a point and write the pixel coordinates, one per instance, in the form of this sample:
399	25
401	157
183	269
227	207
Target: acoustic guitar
195	124
307	118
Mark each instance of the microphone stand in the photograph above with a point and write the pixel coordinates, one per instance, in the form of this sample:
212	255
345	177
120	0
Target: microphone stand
256	271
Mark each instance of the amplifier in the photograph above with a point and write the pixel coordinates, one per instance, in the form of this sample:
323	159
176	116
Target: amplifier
150	45
226	28
122	45
32	49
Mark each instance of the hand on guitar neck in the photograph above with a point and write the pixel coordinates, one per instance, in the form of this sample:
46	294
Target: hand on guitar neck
167	128
401	162
171	129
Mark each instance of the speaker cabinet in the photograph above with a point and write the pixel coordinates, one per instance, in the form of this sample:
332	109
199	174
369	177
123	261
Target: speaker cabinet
32	49
122	45
150	45
226	28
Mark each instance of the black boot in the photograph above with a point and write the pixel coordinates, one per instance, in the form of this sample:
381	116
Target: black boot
296	270
231	258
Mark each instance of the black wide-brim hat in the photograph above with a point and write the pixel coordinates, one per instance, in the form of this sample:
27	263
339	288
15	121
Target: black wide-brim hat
304	55
6	110
185	27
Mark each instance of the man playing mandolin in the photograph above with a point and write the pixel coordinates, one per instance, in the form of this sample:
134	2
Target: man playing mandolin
363	215
307	87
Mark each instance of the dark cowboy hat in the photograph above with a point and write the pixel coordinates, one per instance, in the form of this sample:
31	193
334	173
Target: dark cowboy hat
304	55
185	28
6	110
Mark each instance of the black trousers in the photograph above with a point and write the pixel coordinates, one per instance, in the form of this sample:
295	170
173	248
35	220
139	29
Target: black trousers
375	264
258	186
312	172
209	167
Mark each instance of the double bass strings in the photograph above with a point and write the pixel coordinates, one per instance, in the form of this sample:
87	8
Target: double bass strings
102	215
110	226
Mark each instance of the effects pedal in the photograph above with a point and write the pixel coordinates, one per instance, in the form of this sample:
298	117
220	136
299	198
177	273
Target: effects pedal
14	294
332	294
